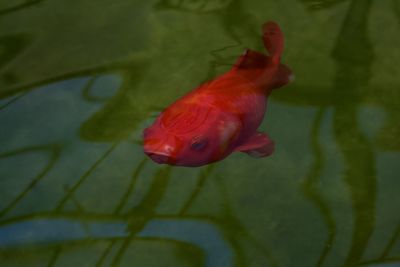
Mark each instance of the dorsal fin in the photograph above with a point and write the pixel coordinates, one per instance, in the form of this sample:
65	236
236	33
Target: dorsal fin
273	40
251	60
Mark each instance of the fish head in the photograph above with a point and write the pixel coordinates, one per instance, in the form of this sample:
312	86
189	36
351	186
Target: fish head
184	140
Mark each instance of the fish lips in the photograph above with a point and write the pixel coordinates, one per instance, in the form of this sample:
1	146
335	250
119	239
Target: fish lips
161	157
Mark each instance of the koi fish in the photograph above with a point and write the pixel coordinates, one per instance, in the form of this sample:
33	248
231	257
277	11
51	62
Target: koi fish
222	116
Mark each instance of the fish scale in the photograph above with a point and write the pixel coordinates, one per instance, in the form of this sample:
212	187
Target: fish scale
186	116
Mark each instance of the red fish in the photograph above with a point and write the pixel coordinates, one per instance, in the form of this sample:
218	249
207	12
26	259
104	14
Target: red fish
222	116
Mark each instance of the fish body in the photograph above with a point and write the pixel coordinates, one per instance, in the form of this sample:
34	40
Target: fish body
221	116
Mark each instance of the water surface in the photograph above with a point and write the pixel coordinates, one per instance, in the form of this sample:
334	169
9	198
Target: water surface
79	81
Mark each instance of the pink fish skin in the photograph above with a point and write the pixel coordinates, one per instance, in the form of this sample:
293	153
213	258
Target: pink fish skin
222	116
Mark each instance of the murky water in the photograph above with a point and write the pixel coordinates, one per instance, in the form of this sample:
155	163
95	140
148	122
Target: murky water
79	80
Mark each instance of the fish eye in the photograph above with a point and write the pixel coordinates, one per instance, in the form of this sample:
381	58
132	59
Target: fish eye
198	143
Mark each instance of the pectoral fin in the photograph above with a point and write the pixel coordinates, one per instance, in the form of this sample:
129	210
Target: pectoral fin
257	146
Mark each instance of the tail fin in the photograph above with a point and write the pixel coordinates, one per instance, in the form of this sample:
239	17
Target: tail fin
273	40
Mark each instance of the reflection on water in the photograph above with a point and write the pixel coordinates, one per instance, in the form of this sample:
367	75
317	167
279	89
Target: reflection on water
121	113
10	47
360	174
77	190
321	4
200	6
50	231
8	7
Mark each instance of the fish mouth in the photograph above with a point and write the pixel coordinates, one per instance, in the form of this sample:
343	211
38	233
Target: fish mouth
160	158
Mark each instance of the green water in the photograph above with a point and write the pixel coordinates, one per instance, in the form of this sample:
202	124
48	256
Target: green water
79	80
